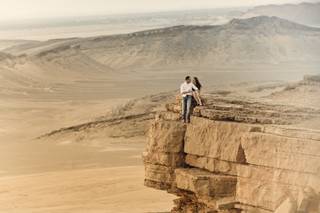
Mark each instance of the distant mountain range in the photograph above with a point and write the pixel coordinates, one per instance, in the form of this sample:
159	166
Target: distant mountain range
242	41
304	13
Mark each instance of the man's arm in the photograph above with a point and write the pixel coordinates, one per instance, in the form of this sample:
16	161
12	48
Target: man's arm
194	87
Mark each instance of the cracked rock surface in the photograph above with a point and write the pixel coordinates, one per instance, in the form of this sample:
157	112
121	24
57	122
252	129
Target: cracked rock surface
237	155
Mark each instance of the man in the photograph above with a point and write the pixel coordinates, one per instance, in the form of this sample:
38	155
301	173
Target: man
186	90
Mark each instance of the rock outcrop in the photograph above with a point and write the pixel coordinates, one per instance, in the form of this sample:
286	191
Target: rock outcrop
236	156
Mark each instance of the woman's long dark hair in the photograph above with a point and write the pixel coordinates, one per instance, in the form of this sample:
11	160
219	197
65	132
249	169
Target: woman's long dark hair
197	83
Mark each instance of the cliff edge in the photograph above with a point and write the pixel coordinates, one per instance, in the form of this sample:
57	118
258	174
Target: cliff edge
237	156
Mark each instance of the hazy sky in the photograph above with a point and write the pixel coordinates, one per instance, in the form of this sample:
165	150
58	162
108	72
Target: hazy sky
21	9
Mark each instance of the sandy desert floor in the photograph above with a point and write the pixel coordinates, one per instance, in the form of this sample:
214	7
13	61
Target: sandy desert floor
116	189
61	83
71	178
45	177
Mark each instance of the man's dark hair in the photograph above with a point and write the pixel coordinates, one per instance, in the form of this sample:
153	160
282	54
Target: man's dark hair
188	78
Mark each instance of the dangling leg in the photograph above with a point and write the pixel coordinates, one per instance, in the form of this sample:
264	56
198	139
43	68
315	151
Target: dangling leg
197	98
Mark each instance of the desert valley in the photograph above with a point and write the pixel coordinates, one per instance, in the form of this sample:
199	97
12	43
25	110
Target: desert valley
75	111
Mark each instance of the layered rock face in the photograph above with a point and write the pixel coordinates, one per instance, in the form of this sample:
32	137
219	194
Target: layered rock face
236	156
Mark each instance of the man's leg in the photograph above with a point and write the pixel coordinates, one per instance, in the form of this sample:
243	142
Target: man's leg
184	108
188	110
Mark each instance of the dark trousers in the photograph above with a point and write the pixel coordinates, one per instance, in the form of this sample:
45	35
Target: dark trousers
186	107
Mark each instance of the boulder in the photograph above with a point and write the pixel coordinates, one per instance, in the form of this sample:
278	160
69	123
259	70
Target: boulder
205	184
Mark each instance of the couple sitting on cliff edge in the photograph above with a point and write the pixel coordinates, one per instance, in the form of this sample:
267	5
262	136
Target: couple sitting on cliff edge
190	91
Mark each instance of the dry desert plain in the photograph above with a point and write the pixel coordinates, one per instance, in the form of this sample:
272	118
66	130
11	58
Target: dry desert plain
80	173
95	86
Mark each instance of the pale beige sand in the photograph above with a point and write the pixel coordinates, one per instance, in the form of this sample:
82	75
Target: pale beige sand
22	120
64	177
104	190
60	85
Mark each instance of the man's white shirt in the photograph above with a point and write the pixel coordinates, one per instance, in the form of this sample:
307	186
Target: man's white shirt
187	89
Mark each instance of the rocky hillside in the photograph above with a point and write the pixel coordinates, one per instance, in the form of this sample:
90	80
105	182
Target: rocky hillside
304	13
126	122
4	44
257	40
47	72
237	156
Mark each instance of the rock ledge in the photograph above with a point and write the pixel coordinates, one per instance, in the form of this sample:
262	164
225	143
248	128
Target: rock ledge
236	156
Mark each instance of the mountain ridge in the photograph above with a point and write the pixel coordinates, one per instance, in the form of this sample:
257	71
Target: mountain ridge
306	13
256	40
260	37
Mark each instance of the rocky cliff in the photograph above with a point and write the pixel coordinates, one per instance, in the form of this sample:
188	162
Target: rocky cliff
236	156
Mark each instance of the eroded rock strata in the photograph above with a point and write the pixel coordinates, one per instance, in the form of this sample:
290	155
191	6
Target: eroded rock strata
236	156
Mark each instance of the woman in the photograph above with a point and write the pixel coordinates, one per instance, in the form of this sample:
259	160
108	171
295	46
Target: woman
196	94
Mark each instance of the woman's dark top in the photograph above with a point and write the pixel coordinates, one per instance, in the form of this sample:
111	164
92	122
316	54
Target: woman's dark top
198	85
